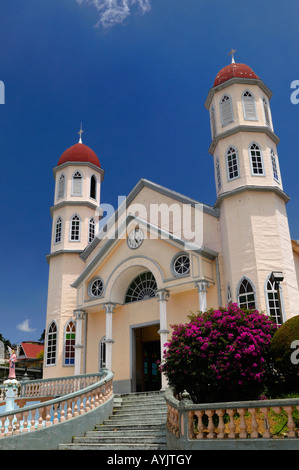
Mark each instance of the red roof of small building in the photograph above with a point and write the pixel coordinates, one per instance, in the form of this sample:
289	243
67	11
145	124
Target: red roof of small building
30	349
234	70
79	153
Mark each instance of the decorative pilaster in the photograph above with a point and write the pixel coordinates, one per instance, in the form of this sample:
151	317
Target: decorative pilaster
79	316
202	289
163	296
109	309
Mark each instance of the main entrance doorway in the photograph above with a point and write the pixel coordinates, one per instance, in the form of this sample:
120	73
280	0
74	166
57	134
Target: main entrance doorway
146	375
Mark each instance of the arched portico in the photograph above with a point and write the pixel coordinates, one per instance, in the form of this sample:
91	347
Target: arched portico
116	290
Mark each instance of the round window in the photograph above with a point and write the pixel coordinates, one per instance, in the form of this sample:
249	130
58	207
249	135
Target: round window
181	265
96	288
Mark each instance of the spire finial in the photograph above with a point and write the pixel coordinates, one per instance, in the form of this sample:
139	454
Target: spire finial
232	54
80	133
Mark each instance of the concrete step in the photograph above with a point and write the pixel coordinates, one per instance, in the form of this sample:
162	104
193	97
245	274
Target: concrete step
120	440
112	447
138	422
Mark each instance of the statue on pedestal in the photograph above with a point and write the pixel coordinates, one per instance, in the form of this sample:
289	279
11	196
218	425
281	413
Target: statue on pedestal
12	363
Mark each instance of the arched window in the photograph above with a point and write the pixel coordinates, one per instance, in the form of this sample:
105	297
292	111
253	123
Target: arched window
256	160
75	228
246	295
93	187
102	353
91	230
226	110
218	174
61	184
69	344
273	302
51	344
213	122
143	287
77	184
232	163
266	112
249	109
274	166
58	230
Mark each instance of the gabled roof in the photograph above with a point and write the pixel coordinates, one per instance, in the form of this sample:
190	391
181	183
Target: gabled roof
164	234
30	349
135	191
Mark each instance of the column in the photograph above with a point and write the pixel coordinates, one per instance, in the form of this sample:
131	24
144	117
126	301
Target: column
163	296
202	288
109	309
79	316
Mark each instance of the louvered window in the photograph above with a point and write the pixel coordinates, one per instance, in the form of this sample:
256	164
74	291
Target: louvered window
58	227
77	184
61	183
256	160
274	166
75	228
249	106
226	110
266	112
232	163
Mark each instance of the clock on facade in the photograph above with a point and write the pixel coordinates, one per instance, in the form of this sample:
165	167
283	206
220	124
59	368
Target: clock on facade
135	238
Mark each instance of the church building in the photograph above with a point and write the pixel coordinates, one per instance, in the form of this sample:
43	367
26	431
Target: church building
114	292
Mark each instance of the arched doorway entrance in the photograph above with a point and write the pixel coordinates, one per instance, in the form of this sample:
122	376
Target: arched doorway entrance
146	353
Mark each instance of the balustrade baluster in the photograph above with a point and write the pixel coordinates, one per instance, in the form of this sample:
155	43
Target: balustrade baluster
221	425
255	428
232	425
243	433
32	421
55	407
290	423
69	409
266	433
48	415
211	427
18	424
200	427
25	422
191	433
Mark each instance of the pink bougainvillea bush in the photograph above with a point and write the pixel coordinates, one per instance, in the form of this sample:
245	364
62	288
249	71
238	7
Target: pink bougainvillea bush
220	355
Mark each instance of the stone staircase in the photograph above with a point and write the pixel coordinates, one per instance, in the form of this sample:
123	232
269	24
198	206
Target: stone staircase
138	422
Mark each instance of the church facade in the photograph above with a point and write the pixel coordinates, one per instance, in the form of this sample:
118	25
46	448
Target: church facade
115	292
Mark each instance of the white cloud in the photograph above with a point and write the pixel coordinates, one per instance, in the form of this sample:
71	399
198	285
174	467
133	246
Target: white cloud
24	326
114	12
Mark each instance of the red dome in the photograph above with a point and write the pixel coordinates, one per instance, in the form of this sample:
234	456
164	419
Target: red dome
79	153
234	70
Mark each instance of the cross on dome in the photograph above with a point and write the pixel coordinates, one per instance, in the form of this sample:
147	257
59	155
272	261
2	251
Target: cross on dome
80	133
232	51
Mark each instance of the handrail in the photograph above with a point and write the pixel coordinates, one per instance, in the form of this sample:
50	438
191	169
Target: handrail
57	410
218	420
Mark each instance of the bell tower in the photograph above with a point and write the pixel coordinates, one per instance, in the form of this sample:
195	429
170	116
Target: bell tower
78	177
254	229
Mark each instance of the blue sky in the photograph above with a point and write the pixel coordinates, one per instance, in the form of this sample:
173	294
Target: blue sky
139	85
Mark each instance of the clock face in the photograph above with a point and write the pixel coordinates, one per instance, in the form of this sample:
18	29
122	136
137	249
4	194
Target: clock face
135	238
